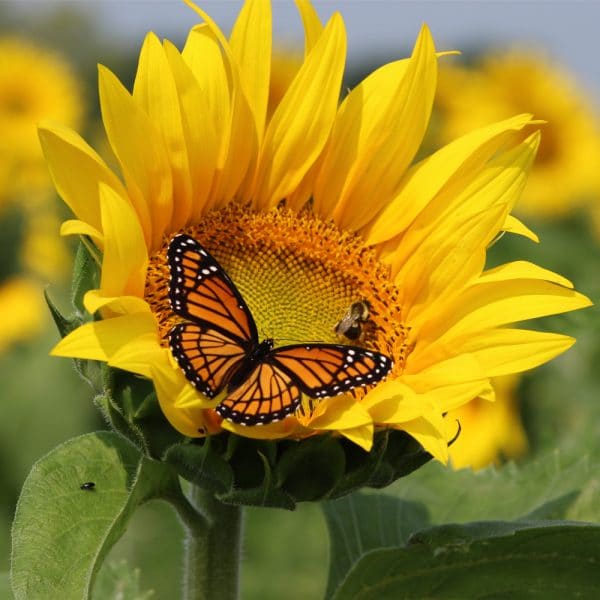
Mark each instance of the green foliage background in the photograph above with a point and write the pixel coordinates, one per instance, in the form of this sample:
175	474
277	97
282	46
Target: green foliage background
286	553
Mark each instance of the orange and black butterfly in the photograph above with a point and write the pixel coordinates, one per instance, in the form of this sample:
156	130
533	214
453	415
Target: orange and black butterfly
218	347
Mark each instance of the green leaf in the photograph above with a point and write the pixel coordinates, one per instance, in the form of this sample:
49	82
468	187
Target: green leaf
119	580
554	487
360	523
61	532
5	591
483	560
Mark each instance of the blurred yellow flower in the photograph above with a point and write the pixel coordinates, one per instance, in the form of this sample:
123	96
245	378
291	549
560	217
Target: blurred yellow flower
35	84
490	431
498	85
309	209
22	310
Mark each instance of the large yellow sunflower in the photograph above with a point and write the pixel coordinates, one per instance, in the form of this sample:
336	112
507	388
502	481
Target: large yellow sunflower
499	85
309	210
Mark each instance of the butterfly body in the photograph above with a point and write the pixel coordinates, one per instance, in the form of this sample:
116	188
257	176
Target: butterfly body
219	350
255	357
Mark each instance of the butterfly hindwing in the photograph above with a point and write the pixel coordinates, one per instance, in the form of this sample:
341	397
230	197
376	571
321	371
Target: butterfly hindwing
268	394
322	370
206	356
202	292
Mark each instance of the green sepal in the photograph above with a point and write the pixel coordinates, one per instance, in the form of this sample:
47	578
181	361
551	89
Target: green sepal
265	494
240	470
85	275
311	469
64	324
133	410
201	463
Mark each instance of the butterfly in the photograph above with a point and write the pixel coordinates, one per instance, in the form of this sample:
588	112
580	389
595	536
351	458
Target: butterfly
219	350
350	324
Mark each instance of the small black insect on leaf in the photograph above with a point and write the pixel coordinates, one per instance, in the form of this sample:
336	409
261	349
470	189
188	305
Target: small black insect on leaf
88	485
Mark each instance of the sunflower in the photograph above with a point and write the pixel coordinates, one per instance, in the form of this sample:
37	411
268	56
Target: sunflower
490	431
309	210
498	85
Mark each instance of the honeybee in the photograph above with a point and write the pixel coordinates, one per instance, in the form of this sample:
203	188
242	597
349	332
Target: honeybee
350	326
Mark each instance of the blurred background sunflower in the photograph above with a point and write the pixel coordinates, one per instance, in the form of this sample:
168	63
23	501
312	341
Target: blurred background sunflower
514	59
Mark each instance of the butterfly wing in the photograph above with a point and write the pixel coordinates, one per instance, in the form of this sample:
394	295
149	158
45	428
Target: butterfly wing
206	356
201	291
322	370
268	394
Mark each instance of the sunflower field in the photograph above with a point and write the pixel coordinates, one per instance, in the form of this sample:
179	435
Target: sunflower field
288	313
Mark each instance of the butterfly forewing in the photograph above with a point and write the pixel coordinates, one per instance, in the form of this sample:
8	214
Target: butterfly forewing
268	394
201	291
206	356
323	370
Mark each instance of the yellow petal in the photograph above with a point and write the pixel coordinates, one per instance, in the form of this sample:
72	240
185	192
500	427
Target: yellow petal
238	138
338	413
430	432
504	351
499	183
301	124
425	180
355	135
514	225
444	372
208	108
452	397
445	262
522	269
177	402
155	90
271	431
138	355
74	227
312	24
362	436
488	305
214	28
77	171
393	402
142	155
393	130
125	256
236	174
94	300
99	340
250	41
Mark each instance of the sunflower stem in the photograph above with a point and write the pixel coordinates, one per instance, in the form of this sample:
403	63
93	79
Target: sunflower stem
212	548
